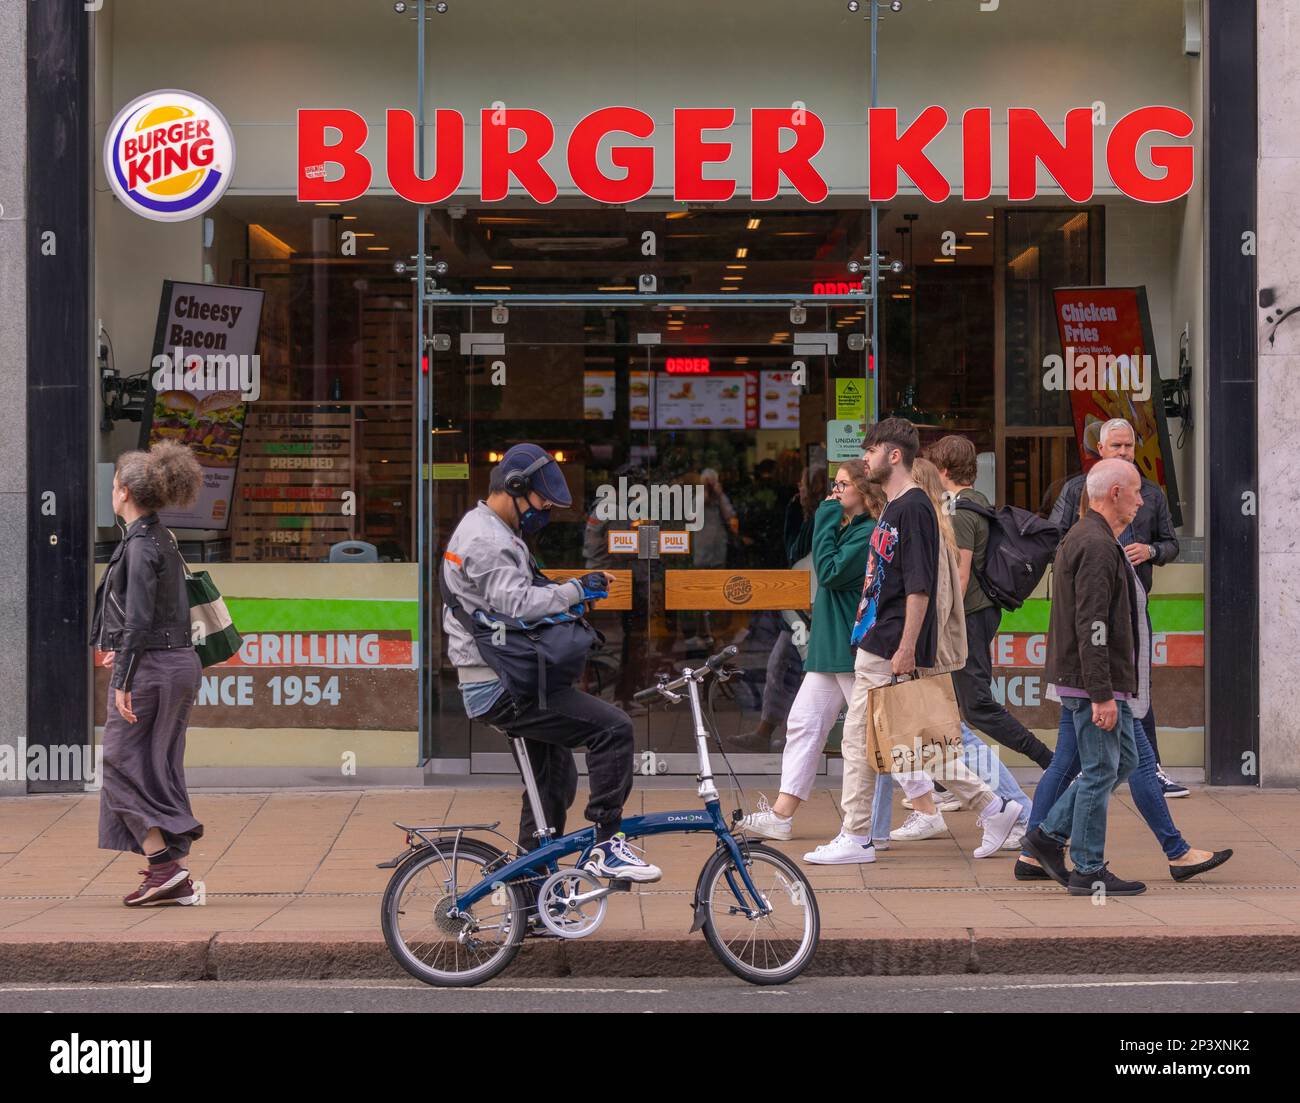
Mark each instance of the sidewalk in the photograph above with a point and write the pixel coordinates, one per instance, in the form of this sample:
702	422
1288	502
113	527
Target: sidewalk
293	892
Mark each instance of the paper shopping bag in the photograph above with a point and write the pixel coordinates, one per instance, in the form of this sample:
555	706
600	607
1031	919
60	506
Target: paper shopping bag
913	723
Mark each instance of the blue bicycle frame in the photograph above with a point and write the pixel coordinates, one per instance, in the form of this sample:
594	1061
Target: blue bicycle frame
550	851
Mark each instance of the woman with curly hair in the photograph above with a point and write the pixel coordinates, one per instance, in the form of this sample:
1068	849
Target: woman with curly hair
142	620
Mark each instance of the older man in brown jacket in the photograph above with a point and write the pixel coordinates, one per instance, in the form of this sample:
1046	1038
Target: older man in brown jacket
1093	643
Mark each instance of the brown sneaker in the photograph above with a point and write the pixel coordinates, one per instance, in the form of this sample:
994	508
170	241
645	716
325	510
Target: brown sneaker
157	879
183	893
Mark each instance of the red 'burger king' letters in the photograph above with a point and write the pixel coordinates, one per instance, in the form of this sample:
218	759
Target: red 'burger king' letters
1031	142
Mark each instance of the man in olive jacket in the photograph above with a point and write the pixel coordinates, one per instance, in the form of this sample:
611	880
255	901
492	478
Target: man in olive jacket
1094	641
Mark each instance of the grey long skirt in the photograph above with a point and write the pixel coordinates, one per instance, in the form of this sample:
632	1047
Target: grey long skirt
144	762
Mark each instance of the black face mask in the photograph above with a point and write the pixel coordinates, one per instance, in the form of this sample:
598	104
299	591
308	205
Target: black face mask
531	520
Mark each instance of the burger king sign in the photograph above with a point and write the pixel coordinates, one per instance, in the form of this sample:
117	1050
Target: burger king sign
169	155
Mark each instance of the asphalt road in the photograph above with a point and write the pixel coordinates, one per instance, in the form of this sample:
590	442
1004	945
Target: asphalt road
977	994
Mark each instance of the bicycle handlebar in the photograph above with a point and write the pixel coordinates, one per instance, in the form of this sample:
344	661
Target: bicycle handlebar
713	664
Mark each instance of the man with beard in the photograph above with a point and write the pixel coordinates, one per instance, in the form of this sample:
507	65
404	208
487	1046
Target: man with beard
896	631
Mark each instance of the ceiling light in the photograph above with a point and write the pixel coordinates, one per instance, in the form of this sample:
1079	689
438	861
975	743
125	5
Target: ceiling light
742	253
350	217
964	248
329	204
619	287
977	233
753	224
490	287
376	248
362	233
737	267
945	260
503	268
733	277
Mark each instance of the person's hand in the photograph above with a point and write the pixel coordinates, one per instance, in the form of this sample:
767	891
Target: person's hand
1105	716
108	658
1137	553
904	660
595	585
123	701
733	523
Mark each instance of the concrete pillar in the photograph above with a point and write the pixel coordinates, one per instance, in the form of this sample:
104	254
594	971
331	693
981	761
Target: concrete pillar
13	383
1279	374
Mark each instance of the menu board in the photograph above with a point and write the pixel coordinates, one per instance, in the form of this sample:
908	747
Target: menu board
295	479
205	371
598	395
720	400
778	400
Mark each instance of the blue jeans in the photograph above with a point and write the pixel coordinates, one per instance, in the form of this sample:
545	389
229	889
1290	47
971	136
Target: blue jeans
1148	797
979	759
1107	758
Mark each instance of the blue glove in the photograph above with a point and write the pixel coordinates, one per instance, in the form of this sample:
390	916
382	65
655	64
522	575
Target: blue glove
594	586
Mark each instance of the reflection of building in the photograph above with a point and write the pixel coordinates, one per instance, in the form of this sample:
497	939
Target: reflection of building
964	326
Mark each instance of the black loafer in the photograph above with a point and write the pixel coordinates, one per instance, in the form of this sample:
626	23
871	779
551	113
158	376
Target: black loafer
1186	873
1050	855
1026	872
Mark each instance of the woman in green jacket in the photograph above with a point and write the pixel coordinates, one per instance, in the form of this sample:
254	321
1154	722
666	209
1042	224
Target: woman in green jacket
841	534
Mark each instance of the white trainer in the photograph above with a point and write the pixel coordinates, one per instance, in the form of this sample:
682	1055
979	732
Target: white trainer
946	802
766	823
841	851
919	826
1016	837
997	826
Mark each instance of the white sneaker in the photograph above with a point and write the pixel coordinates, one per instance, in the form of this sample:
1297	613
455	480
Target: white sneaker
919	826
1016	837
617	860
907	804
997	826
766	823
841	851
948	803
880	844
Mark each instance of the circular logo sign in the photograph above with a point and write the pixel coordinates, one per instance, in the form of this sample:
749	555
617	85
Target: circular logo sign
737	589
169	155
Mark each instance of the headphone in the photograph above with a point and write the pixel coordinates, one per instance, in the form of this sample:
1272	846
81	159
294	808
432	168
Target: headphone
520	483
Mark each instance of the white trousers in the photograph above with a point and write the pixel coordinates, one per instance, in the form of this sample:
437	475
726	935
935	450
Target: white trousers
812	715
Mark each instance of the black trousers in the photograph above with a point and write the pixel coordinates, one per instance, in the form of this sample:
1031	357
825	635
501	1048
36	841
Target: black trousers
571	719
974	688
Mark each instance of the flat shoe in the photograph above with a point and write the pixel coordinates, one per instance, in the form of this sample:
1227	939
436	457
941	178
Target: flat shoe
1186	873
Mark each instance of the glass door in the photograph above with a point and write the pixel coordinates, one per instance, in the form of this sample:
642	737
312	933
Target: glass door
693	436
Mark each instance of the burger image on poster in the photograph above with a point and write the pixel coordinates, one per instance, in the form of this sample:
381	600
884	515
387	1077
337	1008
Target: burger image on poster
169	155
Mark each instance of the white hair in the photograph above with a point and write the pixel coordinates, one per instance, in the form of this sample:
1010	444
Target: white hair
1113	424
1105	475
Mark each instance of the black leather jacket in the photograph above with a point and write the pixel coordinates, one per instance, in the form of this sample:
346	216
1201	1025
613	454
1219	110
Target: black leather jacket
141	603
1153	524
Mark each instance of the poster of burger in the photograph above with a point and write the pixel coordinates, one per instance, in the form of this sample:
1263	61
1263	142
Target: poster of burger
205	372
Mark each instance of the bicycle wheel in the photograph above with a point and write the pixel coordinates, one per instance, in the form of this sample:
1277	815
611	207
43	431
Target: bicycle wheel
772	949
437	947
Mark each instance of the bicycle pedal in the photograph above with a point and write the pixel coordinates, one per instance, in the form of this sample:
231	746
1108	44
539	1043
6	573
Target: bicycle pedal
620	884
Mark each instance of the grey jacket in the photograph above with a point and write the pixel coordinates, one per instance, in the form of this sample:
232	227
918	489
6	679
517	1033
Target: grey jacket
1153	524
487	566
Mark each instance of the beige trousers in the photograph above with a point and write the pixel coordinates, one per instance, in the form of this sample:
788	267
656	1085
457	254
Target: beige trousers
859	783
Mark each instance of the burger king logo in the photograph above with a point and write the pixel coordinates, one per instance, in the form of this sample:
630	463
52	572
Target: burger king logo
737	589
169	155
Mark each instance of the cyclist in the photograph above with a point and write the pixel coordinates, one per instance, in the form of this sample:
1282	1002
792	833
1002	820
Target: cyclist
490	570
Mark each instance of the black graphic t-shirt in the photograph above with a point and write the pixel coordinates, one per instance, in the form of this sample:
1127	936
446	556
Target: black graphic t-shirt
904	559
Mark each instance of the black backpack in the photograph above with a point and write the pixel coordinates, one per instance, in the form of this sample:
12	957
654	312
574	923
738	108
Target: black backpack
1020	549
